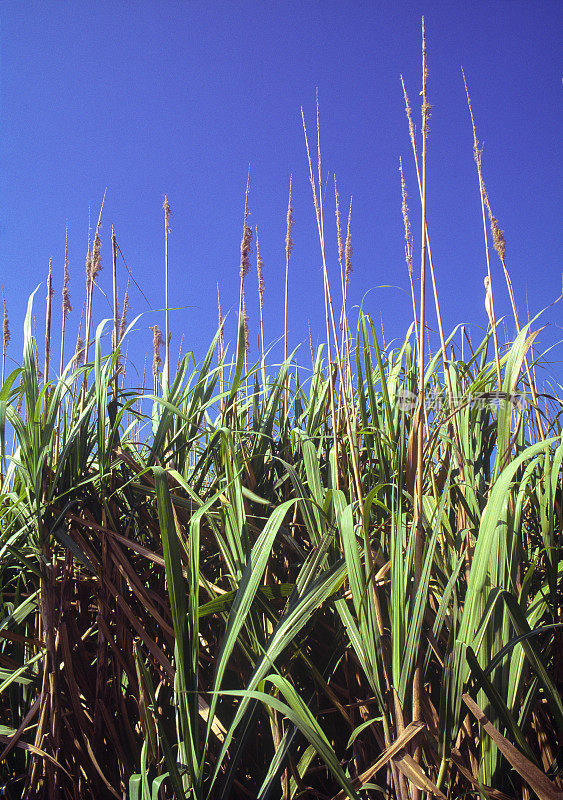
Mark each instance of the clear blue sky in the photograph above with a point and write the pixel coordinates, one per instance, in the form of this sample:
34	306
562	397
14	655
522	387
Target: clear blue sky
148	98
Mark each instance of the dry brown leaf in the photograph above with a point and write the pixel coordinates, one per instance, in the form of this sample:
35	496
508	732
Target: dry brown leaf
414	773
537	780
412	730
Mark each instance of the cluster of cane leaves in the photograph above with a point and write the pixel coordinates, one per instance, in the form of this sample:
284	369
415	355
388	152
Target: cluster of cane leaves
211	611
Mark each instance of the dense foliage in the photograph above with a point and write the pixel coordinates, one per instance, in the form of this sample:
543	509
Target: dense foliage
211	608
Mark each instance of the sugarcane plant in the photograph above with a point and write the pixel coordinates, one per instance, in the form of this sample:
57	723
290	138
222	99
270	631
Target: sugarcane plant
339	579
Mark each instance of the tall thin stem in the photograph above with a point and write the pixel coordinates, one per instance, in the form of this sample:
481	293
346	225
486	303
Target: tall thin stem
244	266
5	343
66	306
320	228
288	248
93	267
221	351
345	260
66	309
167	214
422	321
477	153
48	310
115	335
261	287
329	309
157	342
408	242
499	244
419	524
5	336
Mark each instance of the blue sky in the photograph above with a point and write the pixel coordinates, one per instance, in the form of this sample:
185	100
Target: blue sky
180	97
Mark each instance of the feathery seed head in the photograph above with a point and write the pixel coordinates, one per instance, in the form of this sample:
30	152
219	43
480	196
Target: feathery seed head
406	220
126	307
96	259
348	247
67	308
79	352
167	213
425	109
245	250
245	246
338	225
94	256
499	242
220	317
157	342
246	240
311	342
5	324
260	271
50	290
409	112
477	151
88	267
219	311
289	224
